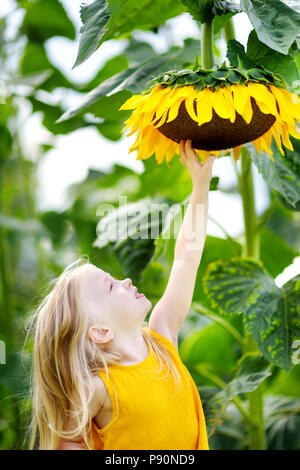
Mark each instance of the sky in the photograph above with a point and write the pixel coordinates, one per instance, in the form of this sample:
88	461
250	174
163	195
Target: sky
82	149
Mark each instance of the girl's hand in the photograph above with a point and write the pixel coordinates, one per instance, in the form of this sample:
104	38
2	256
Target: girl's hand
200	172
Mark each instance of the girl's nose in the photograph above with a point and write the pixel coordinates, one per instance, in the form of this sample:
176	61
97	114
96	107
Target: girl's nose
128	282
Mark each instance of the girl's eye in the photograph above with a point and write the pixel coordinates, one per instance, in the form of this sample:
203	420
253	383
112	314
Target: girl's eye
111	286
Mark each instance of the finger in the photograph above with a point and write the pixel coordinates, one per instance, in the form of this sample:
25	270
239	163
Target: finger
181	147
211	158
188	149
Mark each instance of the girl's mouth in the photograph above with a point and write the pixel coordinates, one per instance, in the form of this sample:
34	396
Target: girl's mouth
137	295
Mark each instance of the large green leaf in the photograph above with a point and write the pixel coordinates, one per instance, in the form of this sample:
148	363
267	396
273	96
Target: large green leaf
274	61
252	370
113	66
50	115
282	416
204	11
136	77
286	224
44	20
237	56
177	181
282	174
210	347
276	23
241	285
275	253
103	20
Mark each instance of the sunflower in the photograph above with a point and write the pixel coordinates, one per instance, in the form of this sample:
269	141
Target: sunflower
217	109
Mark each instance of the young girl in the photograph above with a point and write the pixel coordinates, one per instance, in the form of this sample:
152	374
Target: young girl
102	377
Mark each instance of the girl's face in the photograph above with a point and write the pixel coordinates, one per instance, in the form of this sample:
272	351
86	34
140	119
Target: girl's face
114	302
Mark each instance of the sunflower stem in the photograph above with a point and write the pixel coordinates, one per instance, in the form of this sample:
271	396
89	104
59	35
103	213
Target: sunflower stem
257	438
229	30
207	53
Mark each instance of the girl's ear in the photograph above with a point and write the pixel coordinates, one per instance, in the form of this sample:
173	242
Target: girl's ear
100	335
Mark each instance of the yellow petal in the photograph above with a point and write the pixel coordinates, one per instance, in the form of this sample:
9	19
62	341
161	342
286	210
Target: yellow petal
227	93
265	142
189	105
204	106
131	103
146	119
220	105
174	110
248	112
283	103
160	148
147	146
161	108
257	145
276	135
262	94
240	97
153	99
171	152
162	119
263	107
237	152
285	137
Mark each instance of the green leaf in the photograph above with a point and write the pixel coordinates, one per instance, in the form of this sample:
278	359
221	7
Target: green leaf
107	108
282	417
205	11
136	77
210	347
104	20
275	253
276	24
112	67
138	51
201	10
234	77
50	116
94	18
237	56
56	224
43	20
282	174
241	285
286	225
177	181
284	65
223	7
253	369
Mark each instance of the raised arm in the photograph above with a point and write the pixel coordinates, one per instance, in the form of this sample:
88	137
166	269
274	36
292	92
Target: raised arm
170	312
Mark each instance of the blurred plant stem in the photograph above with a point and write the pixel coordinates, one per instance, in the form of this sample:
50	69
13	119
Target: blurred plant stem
257	438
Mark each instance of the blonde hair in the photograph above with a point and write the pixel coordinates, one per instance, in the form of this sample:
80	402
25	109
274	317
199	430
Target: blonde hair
65	360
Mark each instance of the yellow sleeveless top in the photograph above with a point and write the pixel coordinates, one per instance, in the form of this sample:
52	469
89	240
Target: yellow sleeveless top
148	412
